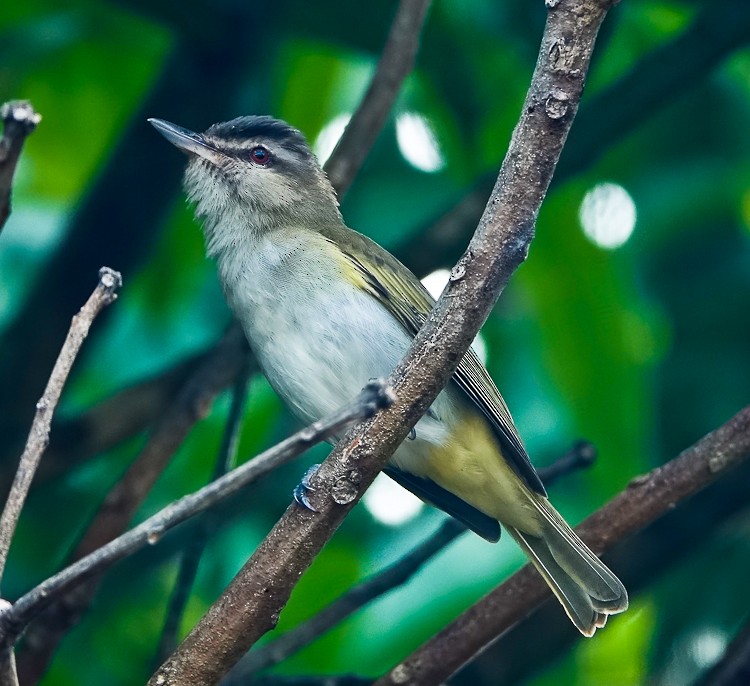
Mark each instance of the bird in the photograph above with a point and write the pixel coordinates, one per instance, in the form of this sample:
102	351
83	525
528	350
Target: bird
325	309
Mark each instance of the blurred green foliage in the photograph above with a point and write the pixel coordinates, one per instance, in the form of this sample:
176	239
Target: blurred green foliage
641	349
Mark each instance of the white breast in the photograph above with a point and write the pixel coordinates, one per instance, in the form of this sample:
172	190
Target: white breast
317	337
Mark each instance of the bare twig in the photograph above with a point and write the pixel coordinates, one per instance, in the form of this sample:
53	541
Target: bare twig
646	498
19	119
196	545
395	64
580	456
374	396
262	587
104	293
193	402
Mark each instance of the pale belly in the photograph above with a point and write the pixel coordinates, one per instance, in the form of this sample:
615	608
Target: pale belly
319	340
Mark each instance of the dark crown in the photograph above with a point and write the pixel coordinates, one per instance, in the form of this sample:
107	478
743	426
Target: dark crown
254	127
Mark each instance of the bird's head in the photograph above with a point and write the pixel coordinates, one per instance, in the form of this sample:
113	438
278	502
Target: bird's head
250	175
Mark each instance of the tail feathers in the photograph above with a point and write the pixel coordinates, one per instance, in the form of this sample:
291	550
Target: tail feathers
582	583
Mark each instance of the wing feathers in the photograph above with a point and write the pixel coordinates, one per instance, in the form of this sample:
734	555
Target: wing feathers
392	284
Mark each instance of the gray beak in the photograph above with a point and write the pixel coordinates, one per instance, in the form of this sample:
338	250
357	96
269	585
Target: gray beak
187	140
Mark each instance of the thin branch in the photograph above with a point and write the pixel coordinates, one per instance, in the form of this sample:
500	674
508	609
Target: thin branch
262	587
644	500
194	551
580	456
127	412
124	499
640	560
104	294
19	119
192	404
374	396
395	64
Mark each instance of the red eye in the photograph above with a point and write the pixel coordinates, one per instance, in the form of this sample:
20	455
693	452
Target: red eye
260	155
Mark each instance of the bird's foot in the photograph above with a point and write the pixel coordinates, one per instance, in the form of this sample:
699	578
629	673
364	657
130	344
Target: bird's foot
304	487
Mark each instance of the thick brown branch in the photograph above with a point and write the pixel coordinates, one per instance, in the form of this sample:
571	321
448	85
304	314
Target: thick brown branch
374	396
19	119
104	293
392	576
646	498
395	64
250	605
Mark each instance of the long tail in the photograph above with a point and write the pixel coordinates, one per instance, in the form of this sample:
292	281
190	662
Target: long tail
582	583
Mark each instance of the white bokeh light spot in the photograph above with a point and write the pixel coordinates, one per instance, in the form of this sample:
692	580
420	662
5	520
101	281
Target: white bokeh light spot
607	215
435	283
708	646
418	143
329	135
390	504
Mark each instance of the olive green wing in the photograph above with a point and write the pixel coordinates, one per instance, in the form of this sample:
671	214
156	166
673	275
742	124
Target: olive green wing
402	294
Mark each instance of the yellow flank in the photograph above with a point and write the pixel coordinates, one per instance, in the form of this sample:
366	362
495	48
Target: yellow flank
471	465
347	268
